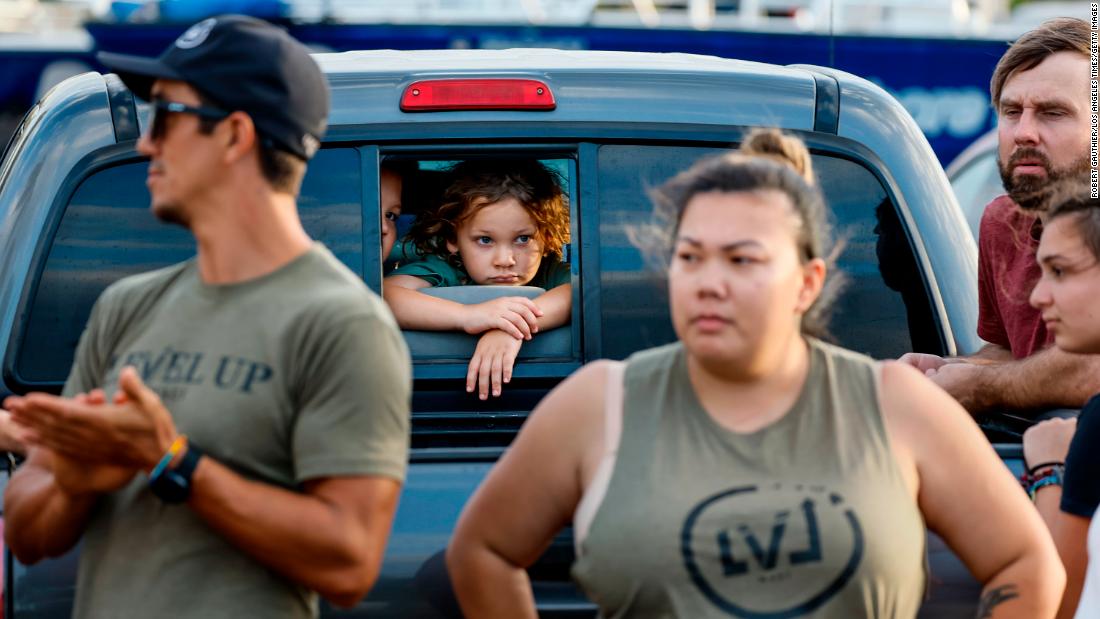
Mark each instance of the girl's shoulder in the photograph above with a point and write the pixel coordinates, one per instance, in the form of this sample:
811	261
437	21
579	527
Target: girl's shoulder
552	273
433	269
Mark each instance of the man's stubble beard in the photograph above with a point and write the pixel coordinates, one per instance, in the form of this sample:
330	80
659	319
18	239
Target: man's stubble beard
1031	192
171	213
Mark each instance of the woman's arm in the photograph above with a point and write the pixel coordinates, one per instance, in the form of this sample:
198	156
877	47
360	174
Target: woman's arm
527	498
969	498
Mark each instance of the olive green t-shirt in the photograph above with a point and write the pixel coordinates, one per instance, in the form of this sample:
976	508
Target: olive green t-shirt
439	273
295	375
808	517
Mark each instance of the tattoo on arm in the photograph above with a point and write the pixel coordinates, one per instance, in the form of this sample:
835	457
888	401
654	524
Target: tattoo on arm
994	598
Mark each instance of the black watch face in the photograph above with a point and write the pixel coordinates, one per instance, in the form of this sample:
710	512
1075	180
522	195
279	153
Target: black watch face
171	487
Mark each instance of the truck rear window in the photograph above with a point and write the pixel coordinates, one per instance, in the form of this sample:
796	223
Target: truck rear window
106	232
426	181
870	316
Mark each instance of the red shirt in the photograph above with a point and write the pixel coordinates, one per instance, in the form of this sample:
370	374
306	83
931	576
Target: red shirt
1007	242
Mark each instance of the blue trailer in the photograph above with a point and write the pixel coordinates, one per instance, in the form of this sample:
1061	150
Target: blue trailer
942	82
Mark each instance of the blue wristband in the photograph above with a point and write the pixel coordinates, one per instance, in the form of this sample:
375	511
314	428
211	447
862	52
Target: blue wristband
1053	477
173	449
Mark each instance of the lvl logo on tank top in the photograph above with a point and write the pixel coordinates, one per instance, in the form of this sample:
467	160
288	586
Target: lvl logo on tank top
771	551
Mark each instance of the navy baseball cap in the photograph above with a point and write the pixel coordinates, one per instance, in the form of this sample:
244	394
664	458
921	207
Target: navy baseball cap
242	63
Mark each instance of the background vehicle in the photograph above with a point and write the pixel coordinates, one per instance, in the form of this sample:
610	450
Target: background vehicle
975	178
74	216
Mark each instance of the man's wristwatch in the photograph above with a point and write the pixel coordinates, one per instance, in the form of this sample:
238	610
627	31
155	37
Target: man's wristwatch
174	485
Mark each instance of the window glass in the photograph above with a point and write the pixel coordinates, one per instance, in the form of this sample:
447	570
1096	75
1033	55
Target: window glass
870	316
883	308
107	232
633	294
331	204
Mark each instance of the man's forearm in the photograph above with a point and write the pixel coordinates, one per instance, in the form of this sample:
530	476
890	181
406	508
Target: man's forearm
991	353
41	520
298	535
1048	379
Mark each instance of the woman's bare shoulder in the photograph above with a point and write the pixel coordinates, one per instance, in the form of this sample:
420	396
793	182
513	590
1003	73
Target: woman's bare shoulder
584	388
917	411
577	403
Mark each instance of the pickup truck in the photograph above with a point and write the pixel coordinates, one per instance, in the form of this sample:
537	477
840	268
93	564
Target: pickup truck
74	217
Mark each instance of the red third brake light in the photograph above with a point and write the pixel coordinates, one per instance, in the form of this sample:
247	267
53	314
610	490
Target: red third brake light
477	94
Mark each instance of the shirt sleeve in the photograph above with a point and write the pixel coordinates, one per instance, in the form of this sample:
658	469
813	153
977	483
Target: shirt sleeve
432	269
991	326
551	276
1081	490
91	361
557	275
354	402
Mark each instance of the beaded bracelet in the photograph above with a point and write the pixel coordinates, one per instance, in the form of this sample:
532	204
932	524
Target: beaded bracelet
1051	477
1042	465
1032	475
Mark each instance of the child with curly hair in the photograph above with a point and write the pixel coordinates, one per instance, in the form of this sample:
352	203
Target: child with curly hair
501	223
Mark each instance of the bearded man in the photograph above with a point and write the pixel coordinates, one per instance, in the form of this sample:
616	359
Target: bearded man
1040	91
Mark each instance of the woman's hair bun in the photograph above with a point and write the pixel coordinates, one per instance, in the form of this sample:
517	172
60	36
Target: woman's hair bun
773	144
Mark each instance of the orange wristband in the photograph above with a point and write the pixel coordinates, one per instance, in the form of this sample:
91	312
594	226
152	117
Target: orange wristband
168	456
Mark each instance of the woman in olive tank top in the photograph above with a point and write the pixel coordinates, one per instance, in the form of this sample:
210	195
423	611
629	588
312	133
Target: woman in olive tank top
750	470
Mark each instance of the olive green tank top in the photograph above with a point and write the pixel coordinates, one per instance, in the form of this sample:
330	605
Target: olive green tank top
807	517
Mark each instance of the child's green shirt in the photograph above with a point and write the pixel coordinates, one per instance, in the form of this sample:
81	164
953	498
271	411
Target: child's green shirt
439	273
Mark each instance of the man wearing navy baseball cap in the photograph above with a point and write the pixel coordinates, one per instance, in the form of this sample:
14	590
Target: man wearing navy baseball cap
233	434
245	64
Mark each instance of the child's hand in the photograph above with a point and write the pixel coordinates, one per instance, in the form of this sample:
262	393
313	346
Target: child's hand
516	316
492	363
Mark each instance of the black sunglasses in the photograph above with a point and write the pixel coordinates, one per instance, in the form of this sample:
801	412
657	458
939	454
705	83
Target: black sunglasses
162	109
